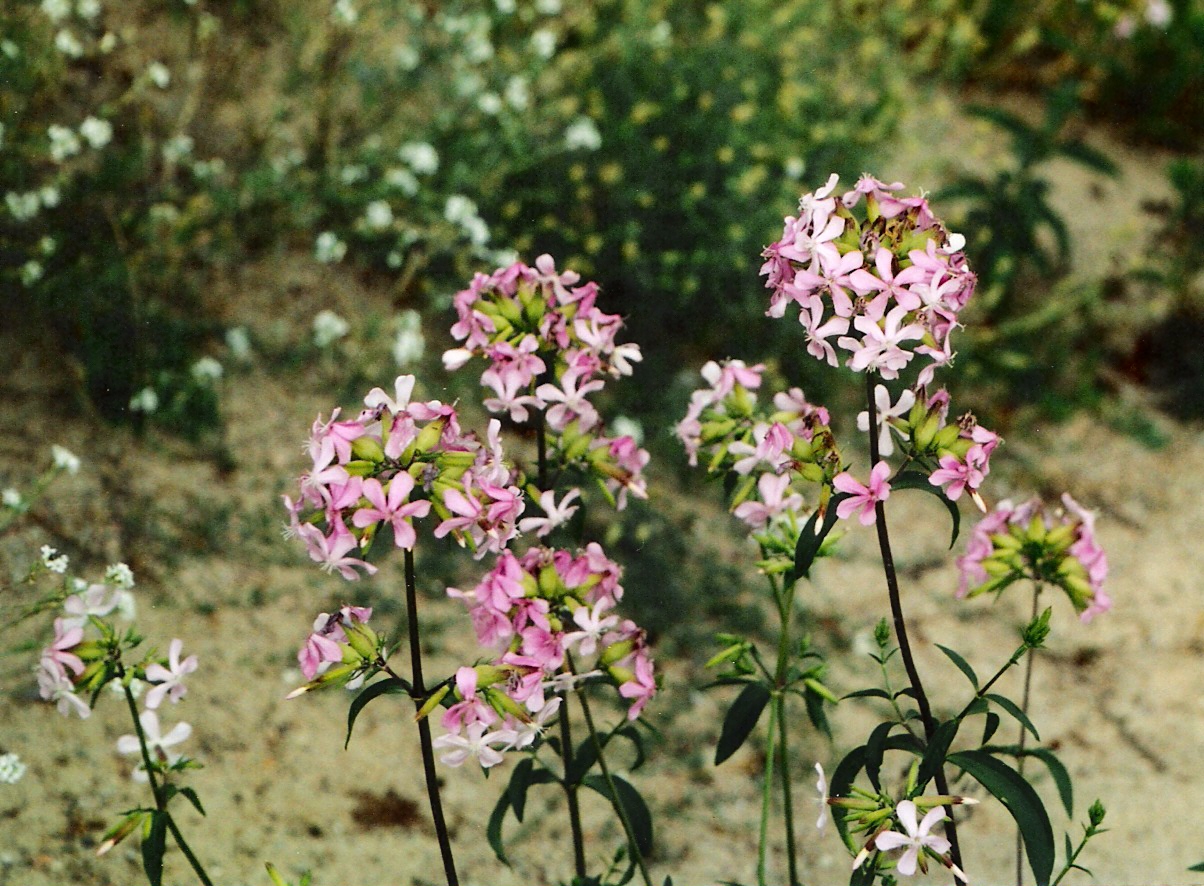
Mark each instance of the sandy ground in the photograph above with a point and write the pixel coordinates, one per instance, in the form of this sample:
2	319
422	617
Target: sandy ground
1115	697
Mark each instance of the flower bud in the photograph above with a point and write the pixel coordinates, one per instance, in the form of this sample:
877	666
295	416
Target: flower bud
433	701
120	831
362	639
616	652
428	437
360	468
368	448
925	434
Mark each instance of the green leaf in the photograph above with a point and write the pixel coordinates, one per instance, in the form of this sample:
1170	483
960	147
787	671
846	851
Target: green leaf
875	747
584	758
520	780
633	805
493	830
740	720
919	480
872	692
1014	709
992	724
813	535
1019	798
962	664
193	799
1057	771
937	751
154	844
388	686
1197	867
816	713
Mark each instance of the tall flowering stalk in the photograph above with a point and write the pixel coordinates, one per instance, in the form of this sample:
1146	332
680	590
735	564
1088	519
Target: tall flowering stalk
549	349
879	284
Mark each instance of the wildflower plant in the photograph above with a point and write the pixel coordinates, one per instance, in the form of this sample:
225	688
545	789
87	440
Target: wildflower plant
546	616
879	284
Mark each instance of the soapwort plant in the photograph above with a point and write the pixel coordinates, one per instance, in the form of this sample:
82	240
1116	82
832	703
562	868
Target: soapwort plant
879	283
546	614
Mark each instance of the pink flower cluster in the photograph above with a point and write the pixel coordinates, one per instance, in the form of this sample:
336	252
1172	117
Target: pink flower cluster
549	349
534	611
396	461
328	643
886	283
1028	540
964	457
770	451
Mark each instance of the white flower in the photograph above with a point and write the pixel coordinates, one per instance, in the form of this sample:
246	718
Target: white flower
794	167
156	743
146	400
68	44
1159	13
11	769
53	560
10	498
401	178
64	459
489	103
352	173
177	148
56	10
22	207
88	9
120	575
118	688
344	13
64	143
49	195
582	134
158	74
206	369
410	344
31	272
378	215
420	157
329	327
328	248
97	132
543	43
238	340
886	445
821	787
458	209
518	96
477	743
917	838
407	57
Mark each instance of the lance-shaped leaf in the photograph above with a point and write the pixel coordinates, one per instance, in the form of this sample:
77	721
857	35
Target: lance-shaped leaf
388	686
962	664
1019	798
154	844
1014	709
740	720
812	537
633	805
1056	770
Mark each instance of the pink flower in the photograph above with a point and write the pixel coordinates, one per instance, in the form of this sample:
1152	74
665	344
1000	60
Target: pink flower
477	743
886	444
331	551
170	679
569	401
772	490
394	510
54	685
863	498
58	655
156	743
593	626
642	688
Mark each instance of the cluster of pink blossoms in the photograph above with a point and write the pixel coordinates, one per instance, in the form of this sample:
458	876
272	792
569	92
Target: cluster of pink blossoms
769	451
397	461
80	661
1029	541
885	284
549	349
535	611
340	649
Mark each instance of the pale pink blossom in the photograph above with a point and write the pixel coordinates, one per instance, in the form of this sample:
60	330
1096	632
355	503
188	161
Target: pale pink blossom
157	744
169	680
862	499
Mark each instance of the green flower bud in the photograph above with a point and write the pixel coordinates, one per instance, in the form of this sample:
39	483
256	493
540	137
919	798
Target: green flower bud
428	437
363	640
435	699
368	449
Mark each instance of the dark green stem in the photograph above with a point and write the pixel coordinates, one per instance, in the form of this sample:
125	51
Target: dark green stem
896	608
624	818
785	598
570	793
424	726
1028	682
156	787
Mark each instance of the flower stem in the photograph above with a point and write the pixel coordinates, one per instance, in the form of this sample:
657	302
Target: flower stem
157	788
570	793
896	608
787	799
424	726
624	818
766	795
1028	682
785	598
